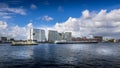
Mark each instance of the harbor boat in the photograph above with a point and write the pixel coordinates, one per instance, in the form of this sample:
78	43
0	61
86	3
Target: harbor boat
74	42
24	43
28	42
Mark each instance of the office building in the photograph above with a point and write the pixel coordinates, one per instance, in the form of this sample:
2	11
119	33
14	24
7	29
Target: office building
53	36
68	36
37	35
61	36
98	38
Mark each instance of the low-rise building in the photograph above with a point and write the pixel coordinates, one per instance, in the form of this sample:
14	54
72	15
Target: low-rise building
98	38
3	39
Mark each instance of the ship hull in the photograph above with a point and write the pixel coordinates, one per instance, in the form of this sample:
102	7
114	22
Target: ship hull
24	43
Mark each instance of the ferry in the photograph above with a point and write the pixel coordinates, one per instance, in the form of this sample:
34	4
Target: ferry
28	42
24	43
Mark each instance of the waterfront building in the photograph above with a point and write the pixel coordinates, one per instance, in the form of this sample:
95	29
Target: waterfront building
3	39
37	35
98	38
53	36
11	39
61	36
68	36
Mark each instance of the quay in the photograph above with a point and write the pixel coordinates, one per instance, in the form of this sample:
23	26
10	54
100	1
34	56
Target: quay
74	42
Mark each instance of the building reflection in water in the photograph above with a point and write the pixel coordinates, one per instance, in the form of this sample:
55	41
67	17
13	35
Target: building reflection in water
59	54
22	53
104	51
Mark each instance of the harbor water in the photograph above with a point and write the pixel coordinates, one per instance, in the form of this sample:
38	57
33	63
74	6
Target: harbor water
98	55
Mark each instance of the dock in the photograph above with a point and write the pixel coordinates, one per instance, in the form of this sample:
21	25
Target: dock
74	42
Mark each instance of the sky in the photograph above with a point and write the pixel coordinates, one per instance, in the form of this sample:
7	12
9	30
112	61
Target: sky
81	17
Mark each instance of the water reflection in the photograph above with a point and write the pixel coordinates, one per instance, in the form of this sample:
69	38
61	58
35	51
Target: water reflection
75	55
22	53
12	56
104	51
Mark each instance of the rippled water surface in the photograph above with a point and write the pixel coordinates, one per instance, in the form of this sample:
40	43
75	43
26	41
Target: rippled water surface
101	55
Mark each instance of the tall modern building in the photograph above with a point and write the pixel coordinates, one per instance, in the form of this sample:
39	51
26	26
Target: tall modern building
37	35
68	36
53	36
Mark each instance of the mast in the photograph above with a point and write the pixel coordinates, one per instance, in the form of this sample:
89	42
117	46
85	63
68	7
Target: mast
30	34
30	31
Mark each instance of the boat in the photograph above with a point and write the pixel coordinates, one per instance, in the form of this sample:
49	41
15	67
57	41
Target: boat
74	42
28	42
24	43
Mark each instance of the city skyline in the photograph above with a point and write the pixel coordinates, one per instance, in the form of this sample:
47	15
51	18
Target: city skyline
81	17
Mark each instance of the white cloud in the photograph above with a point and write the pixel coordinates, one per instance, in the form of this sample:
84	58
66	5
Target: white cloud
17	32
30	25
7	12
102	23
3	25
33	6
7	17
47	18
85	13
16	10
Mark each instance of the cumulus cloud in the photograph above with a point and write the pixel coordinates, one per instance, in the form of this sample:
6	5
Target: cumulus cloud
33	6
3	25
17	32
7	10
30	25
102	23
85	13
47	18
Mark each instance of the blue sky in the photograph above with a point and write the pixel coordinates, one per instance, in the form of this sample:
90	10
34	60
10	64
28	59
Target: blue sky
81	17
58	10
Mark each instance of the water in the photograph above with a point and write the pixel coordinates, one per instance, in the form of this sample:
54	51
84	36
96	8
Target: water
101	55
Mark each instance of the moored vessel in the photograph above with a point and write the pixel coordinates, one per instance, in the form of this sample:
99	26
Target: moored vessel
24	43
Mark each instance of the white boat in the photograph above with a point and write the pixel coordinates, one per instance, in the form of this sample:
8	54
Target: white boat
28	42
24	43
